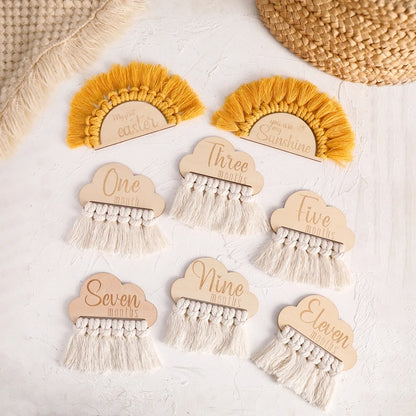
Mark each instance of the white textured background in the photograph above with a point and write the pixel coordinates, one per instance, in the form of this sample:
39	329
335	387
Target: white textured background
216	45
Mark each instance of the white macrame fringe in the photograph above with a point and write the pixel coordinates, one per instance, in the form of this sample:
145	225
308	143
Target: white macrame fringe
199	326
73	54
130	232
218	205
301	365
99	345
300	257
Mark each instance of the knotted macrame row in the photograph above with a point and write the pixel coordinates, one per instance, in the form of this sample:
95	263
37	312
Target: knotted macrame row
116	229
99	345
300	257
199	326
218	205
301	365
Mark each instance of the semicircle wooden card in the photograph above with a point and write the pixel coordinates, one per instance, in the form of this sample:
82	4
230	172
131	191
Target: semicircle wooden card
130	120
128	102
290	115
287	132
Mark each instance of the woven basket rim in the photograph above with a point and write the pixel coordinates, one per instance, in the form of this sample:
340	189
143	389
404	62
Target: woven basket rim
357	41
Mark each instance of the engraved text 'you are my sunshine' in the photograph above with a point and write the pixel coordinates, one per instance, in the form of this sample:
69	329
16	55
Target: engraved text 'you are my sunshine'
280	134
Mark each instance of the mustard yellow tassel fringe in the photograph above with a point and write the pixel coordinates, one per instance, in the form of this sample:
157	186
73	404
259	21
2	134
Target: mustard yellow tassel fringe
136	82
325	116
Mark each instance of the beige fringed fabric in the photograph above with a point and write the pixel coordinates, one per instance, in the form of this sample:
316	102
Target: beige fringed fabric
44	41
368	41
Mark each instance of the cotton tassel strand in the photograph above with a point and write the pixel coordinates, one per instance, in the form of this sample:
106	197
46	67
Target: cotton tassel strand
218	205
199	326
99	345
304	258
299	364
130	232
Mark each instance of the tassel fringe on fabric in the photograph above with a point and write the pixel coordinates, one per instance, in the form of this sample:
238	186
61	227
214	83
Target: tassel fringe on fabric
325	116
303	258
199	326
218	205
99	345
130	232
73	54
299	364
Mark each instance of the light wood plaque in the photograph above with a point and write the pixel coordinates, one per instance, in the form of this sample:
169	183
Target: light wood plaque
287	132
116	184
103	295
208	280
307	212
317	318
130	120
217	158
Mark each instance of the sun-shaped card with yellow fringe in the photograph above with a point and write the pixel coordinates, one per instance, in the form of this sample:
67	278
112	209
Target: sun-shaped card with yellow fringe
290	115
128	102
